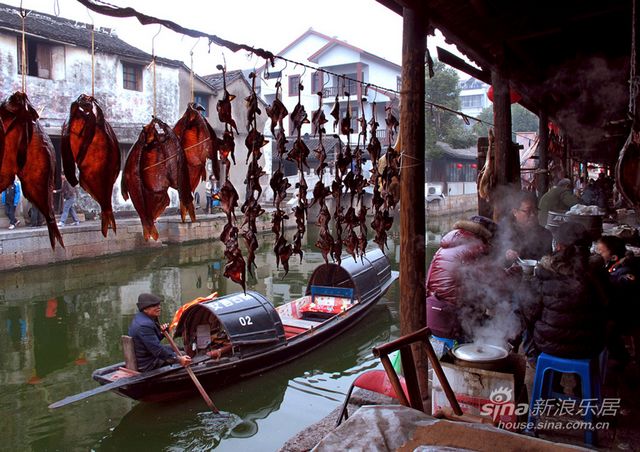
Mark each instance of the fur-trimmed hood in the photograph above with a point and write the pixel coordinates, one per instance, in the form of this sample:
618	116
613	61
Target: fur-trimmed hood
474	228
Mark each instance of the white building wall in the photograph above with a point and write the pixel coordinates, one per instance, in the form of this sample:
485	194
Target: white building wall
71	76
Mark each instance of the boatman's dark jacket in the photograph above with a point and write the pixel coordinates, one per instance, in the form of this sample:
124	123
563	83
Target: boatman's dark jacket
150	353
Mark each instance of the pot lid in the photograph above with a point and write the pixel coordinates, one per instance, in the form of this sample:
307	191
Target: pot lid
479	352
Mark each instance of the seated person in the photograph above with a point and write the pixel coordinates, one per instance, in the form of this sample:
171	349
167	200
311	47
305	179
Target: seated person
565	318
460	252
624	301
519	234
146	332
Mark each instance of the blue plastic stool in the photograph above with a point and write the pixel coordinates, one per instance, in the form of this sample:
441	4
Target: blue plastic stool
589	372
448	343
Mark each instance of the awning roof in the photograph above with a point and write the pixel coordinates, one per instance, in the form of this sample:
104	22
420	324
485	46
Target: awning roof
569	58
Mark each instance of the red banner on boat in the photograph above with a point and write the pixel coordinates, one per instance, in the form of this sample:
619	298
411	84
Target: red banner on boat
184	307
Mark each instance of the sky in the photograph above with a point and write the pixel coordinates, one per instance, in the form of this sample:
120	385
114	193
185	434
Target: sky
267	24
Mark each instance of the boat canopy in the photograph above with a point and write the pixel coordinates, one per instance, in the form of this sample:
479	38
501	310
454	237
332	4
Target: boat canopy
248	322
368	276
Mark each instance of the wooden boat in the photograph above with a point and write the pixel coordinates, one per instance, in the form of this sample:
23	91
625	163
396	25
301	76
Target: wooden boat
251	336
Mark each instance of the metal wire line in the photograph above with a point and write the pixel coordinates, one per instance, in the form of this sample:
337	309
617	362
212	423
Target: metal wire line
108	9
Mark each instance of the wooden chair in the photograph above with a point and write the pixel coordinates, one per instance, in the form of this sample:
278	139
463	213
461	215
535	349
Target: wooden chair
129	353
408	365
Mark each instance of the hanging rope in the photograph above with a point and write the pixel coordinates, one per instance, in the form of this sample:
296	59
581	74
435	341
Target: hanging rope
23	16
153	67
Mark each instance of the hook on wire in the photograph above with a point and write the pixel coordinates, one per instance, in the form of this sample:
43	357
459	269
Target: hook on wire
153	41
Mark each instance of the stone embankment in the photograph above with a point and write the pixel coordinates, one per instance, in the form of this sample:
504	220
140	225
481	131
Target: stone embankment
27	246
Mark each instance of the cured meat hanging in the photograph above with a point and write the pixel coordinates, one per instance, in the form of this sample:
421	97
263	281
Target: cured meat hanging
27	152
298	154
251	207
89	144
279	184
385	191
199	142
235	268
155	163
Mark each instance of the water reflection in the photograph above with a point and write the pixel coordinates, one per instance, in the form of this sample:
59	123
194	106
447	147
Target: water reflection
59	323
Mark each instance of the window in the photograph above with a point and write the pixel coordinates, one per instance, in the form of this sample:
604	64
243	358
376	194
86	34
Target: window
474	101
294	85
351	86
270	75
132	76
202	99
38	56
398	83
316	82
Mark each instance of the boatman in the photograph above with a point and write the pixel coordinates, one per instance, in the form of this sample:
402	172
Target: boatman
146	332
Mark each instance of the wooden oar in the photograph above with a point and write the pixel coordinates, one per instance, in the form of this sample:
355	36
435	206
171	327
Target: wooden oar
119	383
203	393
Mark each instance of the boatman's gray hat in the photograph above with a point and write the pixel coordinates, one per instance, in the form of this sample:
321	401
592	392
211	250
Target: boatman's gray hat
146	300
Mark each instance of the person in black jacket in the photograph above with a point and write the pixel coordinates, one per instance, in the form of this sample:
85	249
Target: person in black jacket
519	234
624	307
566	317
146	332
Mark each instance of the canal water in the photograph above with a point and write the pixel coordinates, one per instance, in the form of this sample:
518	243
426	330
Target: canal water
59	323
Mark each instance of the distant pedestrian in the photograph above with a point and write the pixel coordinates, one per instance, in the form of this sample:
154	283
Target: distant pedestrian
68	207
10	199
208	193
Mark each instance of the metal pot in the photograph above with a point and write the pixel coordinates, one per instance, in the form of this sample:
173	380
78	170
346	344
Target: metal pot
481	356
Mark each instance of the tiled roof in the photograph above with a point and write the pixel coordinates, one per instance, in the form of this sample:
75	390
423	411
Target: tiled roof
215	80
466	154
72	32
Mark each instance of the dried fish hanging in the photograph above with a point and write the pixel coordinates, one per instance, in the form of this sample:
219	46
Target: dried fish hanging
298	154
251	207
198	139
325	241
89	145
235	268
156	162
279	184
27	151
388	185
336	187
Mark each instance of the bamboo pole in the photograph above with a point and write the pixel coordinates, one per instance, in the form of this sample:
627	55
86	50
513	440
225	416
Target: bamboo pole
412	209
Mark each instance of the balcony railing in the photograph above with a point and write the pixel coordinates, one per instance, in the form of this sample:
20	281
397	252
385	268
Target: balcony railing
331	91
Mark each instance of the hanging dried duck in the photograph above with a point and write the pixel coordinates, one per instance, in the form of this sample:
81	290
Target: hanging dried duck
278	183
235	268
299	153
155	163
89	144
27	152
199	142
251	208
385	192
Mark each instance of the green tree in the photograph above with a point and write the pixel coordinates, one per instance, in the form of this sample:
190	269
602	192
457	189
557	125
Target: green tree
522	120
444	89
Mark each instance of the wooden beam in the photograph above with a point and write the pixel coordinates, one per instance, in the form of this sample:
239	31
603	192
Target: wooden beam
503	147
543	145
458	63
412	201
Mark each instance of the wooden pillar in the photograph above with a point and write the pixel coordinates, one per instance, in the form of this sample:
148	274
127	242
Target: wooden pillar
502	131
412	201
543	152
